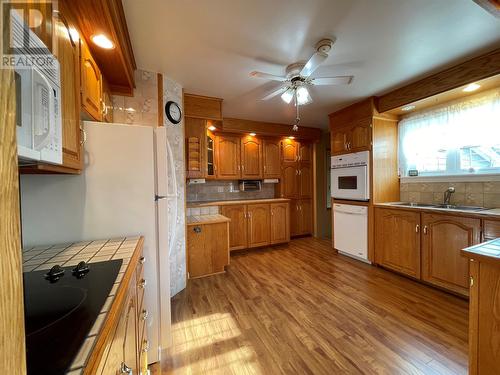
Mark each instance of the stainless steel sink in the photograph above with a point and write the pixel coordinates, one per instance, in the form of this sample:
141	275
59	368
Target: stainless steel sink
412	204
461	208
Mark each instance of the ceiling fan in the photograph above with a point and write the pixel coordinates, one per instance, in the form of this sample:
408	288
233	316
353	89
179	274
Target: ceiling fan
298	78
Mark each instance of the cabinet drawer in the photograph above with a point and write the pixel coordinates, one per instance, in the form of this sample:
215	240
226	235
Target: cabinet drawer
491	229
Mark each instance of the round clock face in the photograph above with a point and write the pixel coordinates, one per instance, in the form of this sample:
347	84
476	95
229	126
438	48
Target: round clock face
173	112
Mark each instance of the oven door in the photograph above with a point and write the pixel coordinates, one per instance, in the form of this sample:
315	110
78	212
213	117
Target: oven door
350	183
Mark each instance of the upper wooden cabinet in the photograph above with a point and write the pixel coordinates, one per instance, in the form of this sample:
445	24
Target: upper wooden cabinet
205	107
259	225
397	240
305	181
272	162
251	158
228	157
289	181
305	152
211	166
68	54
289	151
195	147
107	17
91	81
444	236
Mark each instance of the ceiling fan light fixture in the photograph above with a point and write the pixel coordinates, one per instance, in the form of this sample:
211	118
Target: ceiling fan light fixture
287	96
303	96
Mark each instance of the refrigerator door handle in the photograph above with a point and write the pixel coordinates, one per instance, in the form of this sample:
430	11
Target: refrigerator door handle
158	197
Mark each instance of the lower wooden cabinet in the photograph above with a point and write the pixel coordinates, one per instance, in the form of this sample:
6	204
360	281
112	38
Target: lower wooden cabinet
301	221
397	240
280	223
484	316
237	226
259	225
256	225
207	249
443	237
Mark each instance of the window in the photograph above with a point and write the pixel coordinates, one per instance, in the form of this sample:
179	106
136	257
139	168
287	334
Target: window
460	138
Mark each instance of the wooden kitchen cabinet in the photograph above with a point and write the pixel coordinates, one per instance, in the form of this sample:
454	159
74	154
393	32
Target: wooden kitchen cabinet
280	223
305	152
359	138
211	167
301	221
443	237
491	229
91	83
339	141
305	181
272	160
397	240
289	151
207	249
68	54
289	181
259	225
195	147
295	218
251	158
237	226
228	157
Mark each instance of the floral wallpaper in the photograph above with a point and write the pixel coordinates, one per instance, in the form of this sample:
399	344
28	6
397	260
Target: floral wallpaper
177	191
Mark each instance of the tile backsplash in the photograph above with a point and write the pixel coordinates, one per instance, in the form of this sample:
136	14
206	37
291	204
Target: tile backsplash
484	194
226	190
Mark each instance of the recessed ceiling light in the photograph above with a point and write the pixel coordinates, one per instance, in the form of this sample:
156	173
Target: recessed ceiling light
291	137
253	134
212	128
408	108
102	41
471	87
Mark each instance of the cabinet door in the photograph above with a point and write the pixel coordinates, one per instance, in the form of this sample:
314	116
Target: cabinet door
305	181
306	217
280	223
228	158
289	151
68	54
259	225
397	240
295	217
208	250
91	83
251	158
339	141
443	238
123	348
305	153
210	156
237	226
272	164
195	144
289	181
360	136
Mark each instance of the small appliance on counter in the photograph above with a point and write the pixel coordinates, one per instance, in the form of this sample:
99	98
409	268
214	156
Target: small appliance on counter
61	306
250	185
350	176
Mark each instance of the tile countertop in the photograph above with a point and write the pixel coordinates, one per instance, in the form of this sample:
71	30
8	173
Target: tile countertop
487	251
45	257
489	212
240	201
206	219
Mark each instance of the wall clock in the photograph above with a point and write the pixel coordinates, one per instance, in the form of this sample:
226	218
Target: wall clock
173	112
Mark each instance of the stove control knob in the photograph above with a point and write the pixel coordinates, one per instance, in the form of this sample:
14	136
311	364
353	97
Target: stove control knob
81	269
55	273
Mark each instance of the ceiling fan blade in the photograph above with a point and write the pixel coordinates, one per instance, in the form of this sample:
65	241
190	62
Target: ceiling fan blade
275	92
340	80
314	62
267	76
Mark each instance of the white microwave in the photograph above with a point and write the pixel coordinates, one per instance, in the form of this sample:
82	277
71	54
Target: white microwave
350	176
38	106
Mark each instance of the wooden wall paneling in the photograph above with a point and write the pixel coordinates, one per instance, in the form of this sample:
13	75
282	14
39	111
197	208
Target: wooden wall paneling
384	171
107	16
12	338
205	107
272	129
475	69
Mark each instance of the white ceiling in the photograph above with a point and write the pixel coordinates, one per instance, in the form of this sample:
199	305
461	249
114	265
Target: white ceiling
211	46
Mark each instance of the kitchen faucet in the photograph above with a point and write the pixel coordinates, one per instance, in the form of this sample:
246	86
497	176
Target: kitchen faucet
447	195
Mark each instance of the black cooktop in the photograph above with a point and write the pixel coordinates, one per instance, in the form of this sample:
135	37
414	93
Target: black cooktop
61	306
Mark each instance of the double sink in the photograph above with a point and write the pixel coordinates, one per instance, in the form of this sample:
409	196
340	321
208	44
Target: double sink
442	206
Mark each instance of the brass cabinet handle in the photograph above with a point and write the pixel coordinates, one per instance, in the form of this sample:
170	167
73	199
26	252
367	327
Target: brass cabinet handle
145	314
142	284
417	228
425	229
124	369
471	281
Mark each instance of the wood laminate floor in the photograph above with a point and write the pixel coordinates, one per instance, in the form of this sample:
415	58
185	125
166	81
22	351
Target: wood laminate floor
301	309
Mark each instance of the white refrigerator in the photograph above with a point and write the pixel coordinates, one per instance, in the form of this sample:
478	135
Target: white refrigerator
123	191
